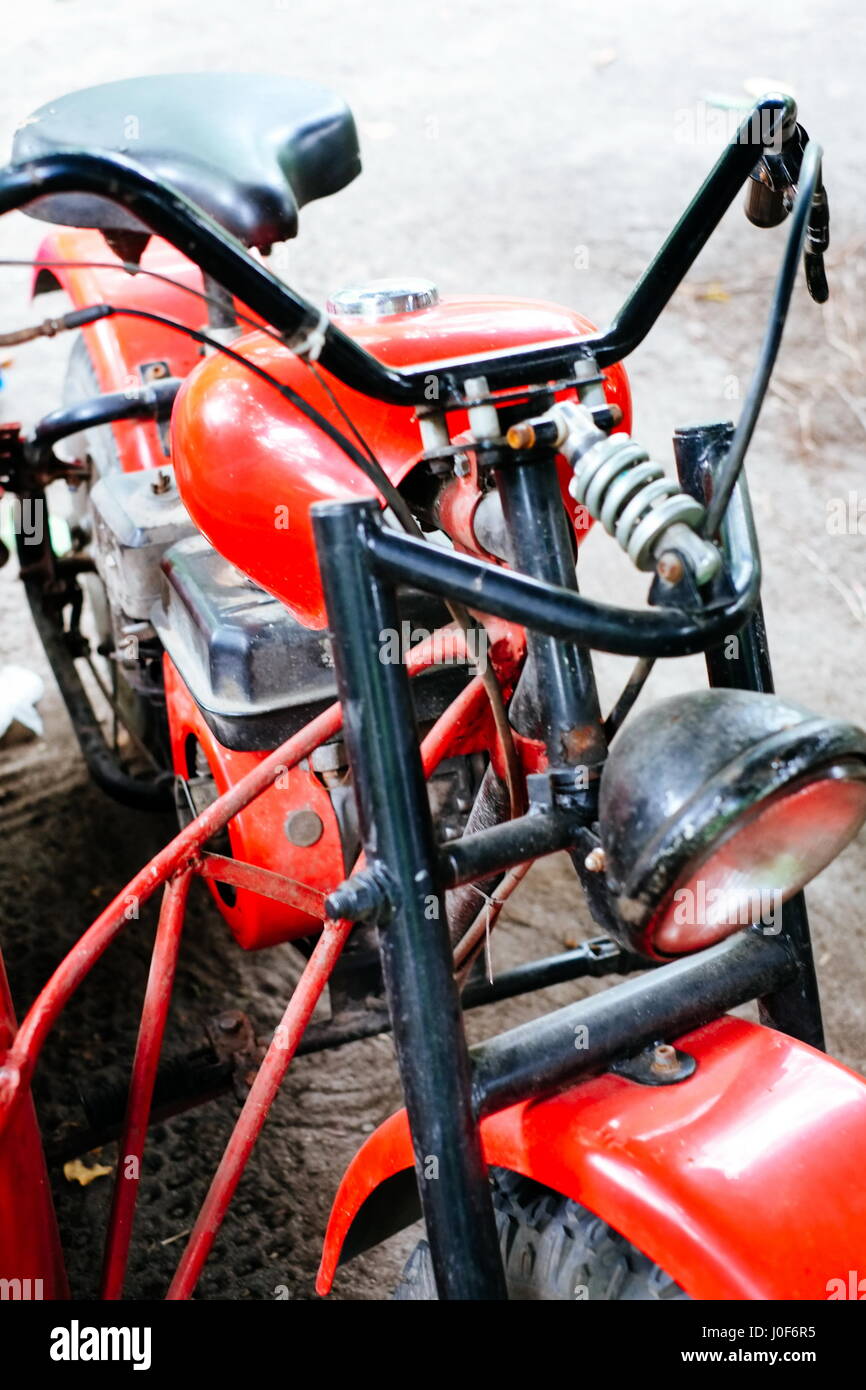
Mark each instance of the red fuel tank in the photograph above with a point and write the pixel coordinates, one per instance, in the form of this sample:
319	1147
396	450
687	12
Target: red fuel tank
249	465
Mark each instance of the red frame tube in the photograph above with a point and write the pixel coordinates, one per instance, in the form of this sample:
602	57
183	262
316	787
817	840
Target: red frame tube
287	1036
183	852
154	1013
255	1109
174	867
180	853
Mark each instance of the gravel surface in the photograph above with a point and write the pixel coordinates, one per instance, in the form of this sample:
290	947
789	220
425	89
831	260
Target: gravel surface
541	151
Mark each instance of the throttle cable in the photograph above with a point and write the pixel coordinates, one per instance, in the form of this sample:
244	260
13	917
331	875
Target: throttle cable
732	464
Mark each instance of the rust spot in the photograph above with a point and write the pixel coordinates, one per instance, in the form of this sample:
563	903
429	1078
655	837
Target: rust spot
582	741
670	568
631	910
665	1060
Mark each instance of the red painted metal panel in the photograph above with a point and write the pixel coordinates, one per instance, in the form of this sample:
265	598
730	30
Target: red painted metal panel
249	465
31	1262
744	1182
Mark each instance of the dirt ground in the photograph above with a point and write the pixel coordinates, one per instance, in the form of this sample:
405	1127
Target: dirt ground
542	151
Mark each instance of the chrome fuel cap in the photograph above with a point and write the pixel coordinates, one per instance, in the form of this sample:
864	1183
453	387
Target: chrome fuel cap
379	299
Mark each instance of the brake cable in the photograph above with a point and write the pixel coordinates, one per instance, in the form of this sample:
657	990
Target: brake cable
133	268
732	464
79	318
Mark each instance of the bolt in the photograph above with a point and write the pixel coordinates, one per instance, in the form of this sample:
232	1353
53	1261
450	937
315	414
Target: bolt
670	567
230	1021
461	465
665	1060
304	828
595	860
350	901
162	483
329	757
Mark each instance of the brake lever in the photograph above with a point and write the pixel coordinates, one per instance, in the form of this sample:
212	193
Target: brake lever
817	241
770	196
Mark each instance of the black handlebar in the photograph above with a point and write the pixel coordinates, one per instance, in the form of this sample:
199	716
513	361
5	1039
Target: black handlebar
220	256
203	241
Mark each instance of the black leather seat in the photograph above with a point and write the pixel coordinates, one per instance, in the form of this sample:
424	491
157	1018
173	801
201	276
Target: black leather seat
249	149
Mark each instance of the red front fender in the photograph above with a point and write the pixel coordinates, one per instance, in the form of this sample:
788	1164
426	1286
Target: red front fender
744	1182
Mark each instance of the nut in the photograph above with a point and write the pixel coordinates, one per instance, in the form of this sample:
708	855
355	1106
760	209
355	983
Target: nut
162	483
665	1060
595	860
230	1021
521	436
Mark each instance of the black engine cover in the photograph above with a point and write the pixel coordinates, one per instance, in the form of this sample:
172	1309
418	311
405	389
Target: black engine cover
255	672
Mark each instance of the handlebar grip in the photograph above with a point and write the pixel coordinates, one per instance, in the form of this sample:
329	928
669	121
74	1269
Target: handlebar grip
764	206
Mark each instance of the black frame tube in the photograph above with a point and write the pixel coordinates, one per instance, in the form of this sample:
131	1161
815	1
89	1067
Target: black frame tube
184	1082
147	402
561	612
545	1054
590	960
697	224
485	852
593	959
217	253
557	688
397	833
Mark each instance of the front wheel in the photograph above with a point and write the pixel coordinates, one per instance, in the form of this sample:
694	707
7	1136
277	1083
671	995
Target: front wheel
553	1251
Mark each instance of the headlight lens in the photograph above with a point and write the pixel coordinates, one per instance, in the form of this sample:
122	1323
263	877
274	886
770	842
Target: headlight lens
762	864
718	806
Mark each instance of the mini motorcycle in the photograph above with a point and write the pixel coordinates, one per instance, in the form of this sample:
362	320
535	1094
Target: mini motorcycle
318	592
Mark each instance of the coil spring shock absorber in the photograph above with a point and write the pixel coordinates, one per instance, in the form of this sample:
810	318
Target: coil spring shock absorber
614	478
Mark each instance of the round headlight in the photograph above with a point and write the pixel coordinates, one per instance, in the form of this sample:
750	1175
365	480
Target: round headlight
718	806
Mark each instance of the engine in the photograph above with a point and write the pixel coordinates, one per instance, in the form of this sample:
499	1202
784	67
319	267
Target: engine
242	674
